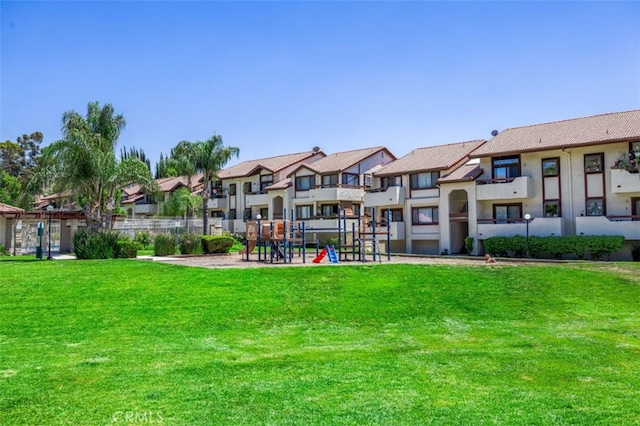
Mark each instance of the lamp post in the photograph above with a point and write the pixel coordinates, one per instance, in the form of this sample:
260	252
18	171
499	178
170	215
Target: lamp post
527	218
49	209
259	217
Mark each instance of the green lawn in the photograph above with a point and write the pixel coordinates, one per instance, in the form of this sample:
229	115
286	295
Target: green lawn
91	342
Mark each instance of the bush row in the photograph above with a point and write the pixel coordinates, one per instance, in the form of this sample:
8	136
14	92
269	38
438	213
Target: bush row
597	246
103	245
168	244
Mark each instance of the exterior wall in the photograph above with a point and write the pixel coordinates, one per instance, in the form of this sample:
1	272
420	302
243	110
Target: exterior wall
4	232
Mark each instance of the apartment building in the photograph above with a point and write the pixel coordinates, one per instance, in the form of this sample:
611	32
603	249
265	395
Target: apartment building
139	204
255	187
407	191
573	177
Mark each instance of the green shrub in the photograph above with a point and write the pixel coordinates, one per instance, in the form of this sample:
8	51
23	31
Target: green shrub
91	245
217	243
3	251
468	244
144	238
165	244
191	244
598	246
127	249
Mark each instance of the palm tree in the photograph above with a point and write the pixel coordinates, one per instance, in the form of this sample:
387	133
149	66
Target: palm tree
84	162
207	157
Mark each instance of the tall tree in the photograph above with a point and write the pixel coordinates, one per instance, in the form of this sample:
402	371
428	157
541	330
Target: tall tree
84	162
18	161
137	153
206	157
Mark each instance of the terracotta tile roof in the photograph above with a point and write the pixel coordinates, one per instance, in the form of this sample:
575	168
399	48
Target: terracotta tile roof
132	199
466	172
6	208
283	184
440	157
171	183
273	164
591	130
343	160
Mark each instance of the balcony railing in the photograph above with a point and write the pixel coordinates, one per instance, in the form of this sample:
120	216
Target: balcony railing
504	189
623	181
333	193
145	208
257	198
217	203
381	197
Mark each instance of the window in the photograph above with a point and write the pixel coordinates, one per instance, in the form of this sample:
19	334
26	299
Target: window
389	181
635	208
246	215
424	215
264	212
305	183
507	213
635	148
217	214
329	181
329	210
595	207
232	189
246	188
593	163
552	208
506	168
304	212
265	181
424	180
395	214
551	167
216	189
232	214
350	179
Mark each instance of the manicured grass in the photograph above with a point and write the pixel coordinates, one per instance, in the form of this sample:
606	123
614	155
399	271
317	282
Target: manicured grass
88	342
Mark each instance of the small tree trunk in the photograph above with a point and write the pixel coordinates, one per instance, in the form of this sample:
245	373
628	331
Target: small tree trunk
205	216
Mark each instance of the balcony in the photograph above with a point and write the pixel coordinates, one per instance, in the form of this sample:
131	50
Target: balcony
145	208
340	193
504	189
392	196
624	182
628	226
538	226
425	232
256	199
217	203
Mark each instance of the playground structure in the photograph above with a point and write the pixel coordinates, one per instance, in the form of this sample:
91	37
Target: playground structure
281	240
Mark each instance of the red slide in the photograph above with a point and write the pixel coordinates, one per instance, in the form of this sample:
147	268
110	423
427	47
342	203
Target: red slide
321	256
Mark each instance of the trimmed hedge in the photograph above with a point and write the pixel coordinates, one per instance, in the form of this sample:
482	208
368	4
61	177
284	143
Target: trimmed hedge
127	249
191	244
217	243
165	244
103	245
597	246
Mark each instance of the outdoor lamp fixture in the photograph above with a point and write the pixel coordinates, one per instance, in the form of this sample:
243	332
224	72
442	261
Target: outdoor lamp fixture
49	209
527	218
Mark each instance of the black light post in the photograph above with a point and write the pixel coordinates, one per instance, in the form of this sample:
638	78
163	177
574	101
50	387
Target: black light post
49	209
527	218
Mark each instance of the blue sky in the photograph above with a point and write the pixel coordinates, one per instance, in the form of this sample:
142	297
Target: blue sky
280	77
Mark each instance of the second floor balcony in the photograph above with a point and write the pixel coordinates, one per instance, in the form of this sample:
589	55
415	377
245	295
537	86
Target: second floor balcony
217	203
623	181
333	193
392	196
145	208
504	189
256	199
